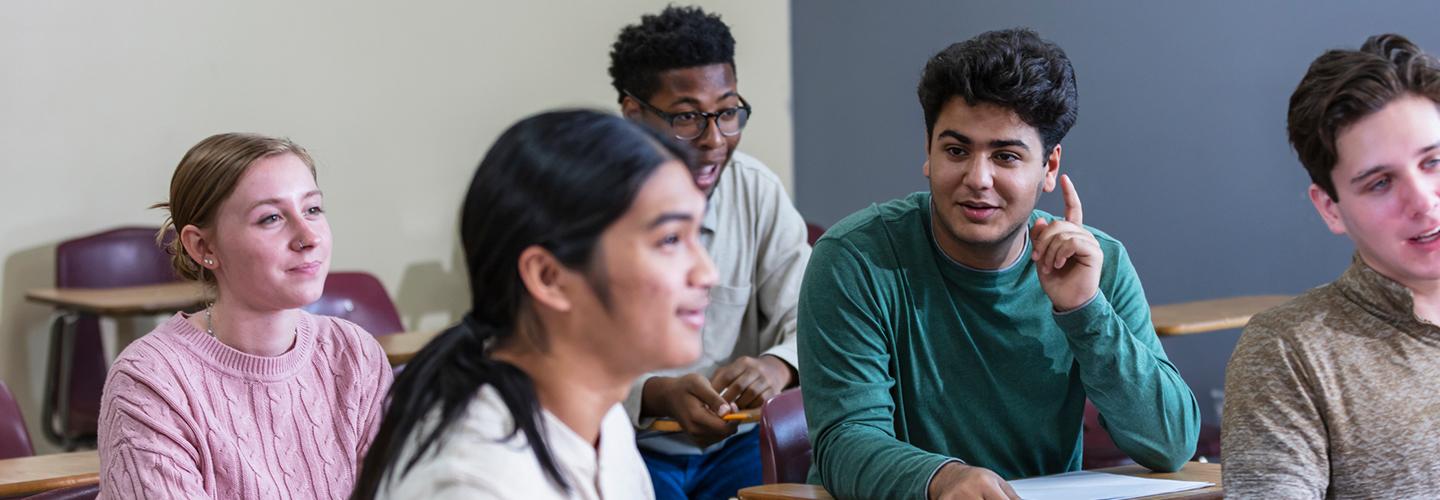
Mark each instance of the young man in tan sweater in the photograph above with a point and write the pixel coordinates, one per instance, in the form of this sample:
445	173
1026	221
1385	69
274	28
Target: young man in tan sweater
1336	394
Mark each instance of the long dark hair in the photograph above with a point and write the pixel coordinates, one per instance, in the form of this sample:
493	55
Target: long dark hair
557	180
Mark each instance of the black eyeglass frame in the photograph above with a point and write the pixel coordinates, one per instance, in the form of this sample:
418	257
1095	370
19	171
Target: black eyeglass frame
708	117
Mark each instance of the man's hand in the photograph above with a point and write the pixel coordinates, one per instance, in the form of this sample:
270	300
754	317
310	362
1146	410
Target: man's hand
1067	257
955	481
749	382
692	402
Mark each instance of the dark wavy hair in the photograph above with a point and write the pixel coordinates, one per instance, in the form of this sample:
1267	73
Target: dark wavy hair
677	37
1343	86
556	180
1014	69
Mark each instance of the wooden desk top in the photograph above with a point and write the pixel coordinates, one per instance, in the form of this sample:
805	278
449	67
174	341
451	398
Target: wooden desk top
149	299
401	347
1193	471
1210	315
785	491
31	475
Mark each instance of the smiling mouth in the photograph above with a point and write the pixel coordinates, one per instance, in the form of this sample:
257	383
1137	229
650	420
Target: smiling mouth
308	267
1427	237
978	212
695	317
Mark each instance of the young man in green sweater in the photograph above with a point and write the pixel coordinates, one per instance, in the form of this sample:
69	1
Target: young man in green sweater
949	339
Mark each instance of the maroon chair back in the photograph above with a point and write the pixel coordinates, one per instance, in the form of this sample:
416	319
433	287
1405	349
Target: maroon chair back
360	298
1209	445
121	257
814	232
1100	451
784	439
87	492
14	437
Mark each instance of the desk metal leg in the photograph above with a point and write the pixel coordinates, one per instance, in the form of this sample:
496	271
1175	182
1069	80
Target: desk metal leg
57	382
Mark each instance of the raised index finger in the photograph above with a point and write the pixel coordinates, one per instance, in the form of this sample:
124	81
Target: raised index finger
1073	214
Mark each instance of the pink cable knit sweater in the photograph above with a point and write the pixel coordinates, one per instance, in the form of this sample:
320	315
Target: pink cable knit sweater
184	416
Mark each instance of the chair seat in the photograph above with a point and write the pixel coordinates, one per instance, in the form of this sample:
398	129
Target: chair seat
86	492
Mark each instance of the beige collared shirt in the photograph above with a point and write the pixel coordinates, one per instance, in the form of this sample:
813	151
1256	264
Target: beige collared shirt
758	242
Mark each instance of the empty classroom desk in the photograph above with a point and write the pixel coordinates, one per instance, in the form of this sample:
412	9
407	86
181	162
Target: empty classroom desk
1211	315
401	347
112	302
31	475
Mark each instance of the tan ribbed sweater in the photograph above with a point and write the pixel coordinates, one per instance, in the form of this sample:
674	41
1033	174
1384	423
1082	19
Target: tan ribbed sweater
1335	394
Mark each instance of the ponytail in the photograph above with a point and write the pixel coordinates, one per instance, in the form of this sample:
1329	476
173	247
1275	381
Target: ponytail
554	180
446	374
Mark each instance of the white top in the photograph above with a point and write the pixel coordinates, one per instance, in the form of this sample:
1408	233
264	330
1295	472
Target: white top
474	460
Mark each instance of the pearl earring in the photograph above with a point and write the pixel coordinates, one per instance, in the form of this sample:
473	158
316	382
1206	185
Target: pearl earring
209	262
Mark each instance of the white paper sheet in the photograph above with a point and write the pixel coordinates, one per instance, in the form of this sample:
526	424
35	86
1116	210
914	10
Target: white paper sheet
1087	485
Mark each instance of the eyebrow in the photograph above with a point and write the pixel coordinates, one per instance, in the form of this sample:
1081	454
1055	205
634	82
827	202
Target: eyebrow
1428	149
1366	173
696	102
995	144
670	217
276	201
1372	170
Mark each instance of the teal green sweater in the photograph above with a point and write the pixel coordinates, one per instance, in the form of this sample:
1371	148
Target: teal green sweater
908	359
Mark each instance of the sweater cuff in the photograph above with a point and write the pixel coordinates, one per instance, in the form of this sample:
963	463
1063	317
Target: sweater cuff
787	353
1086	318
925	493
1081	306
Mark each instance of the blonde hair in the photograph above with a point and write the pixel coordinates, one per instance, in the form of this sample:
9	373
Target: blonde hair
203	180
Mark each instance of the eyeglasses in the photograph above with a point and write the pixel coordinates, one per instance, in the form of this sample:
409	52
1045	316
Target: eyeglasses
689	125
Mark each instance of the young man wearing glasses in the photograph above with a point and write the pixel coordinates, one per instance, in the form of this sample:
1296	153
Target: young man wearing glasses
675	71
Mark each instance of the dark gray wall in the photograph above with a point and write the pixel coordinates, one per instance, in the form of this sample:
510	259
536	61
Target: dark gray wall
1180	149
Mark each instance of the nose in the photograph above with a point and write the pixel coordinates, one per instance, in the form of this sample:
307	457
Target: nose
306	235
710	138
702	274
978	175
1421	196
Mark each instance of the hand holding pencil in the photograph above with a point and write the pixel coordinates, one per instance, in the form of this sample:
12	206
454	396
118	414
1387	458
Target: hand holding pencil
740	417
690	403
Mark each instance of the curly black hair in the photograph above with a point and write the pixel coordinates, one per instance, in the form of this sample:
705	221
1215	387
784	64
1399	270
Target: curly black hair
1013	68
677	37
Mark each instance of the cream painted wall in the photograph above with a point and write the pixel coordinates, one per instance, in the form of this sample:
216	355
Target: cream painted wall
396	100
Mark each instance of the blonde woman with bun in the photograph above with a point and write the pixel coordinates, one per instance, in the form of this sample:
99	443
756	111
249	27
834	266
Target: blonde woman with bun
251	397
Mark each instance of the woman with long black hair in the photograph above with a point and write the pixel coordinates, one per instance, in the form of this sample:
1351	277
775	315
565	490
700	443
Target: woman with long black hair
580	233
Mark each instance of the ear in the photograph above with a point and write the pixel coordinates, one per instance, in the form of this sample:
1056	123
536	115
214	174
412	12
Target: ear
926	168
541	273
1052	169
1328	209
199	247
630	109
